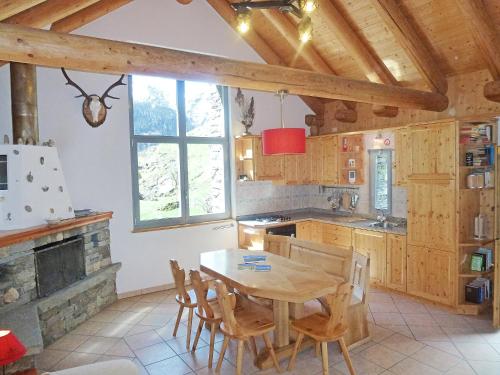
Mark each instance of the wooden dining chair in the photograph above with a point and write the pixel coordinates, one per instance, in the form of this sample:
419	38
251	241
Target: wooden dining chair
250	321
324	328
185	298
207	311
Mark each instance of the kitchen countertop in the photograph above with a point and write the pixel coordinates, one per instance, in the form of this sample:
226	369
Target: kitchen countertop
324	216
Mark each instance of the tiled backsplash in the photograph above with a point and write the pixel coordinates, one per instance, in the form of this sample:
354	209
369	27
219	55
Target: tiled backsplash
253	197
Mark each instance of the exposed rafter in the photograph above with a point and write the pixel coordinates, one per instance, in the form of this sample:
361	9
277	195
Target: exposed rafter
48	48
260	46
487	39
307	51
48	12
87	15
406	34
9	8
372	66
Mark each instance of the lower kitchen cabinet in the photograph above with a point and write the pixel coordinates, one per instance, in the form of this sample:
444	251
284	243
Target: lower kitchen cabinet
396	262
372	244
336	235
303	230
430	274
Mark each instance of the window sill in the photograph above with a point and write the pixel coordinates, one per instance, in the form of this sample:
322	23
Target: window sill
179	226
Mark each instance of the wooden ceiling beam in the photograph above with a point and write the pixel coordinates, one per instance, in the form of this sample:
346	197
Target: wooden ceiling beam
372	66
407	36
87	15
307	52
48	12
263	49
487	39
48	48
8	8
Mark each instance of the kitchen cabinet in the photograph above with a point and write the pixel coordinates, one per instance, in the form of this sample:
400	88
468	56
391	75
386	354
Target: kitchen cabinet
336	235
433	150
292	173
396	262
431	274
303	230
402	156
432	214
314	160
250	238
372	244
330	162
267	167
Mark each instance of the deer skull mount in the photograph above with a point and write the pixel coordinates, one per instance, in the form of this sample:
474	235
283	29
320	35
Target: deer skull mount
94	108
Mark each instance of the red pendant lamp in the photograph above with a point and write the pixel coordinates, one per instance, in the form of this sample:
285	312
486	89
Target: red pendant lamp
281	141
11	349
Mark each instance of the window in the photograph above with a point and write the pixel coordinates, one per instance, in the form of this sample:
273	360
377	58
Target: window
3	172
381	181
180	145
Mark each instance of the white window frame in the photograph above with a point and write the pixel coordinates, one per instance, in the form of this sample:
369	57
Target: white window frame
372	155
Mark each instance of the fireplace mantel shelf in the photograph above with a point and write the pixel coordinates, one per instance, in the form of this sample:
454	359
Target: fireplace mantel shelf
10	237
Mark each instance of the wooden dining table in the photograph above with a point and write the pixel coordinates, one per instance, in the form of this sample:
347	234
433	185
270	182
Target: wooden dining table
287	283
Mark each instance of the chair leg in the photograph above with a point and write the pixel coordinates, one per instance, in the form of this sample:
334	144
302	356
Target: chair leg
190	324
211	348
197	337
253	345
179	316
269	346
239	358
347	357
291	363
222	352
324	357
318	348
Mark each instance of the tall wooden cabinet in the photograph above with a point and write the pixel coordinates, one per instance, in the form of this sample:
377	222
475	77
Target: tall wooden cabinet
396	262
402	156
330	162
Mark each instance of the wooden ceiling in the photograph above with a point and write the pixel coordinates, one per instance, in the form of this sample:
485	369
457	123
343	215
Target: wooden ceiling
408	43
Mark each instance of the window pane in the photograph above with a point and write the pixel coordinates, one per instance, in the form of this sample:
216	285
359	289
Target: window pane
206	179
204	110
155	106
382	175
3	172
159	181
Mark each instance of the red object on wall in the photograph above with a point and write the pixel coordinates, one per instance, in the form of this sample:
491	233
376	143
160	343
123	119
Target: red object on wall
11	349
283	141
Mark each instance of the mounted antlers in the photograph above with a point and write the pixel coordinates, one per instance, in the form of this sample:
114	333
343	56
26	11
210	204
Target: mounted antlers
94	107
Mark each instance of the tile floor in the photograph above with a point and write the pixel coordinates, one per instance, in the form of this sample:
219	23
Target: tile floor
408	337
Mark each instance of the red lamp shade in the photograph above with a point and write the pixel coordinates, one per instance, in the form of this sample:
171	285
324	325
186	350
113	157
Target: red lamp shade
11	349
284	141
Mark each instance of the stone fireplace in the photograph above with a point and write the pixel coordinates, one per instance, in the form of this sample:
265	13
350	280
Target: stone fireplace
53	278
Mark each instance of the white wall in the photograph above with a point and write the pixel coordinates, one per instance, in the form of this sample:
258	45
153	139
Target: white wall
96	162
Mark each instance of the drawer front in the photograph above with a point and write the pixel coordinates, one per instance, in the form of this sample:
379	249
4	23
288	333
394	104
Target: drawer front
337	235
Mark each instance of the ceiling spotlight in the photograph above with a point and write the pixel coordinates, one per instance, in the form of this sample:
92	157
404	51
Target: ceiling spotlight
243	21
305	29
308	6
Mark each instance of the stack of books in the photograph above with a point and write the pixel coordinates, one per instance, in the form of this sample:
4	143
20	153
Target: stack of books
254	263
478	290
481	260
476	133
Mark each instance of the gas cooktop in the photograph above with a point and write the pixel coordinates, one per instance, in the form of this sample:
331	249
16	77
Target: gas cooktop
273	219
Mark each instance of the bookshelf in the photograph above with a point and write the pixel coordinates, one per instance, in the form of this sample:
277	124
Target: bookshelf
476	198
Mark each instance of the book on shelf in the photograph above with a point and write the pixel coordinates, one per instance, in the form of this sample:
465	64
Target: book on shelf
476	262
478	290
481	260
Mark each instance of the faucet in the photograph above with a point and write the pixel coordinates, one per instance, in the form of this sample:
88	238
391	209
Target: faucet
381	218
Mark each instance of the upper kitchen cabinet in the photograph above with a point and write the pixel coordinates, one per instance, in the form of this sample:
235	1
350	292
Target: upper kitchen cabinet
351	159
330	162
402	156
433	151
252	165
314	160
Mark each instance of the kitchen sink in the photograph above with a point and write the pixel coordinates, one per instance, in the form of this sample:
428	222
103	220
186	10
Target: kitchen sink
378	224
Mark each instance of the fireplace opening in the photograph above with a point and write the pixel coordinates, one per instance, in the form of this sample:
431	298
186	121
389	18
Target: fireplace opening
59	264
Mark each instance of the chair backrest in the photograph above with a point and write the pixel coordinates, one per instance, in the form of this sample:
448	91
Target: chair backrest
360	276
278	245
179	279
227	304
201	290
338	304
